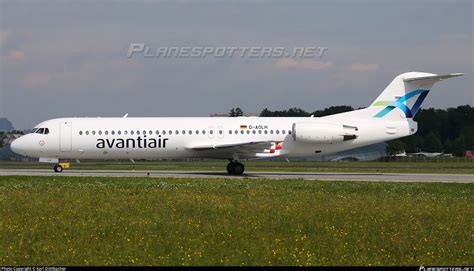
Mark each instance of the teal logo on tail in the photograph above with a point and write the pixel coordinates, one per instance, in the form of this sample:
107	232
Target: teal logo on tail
400	103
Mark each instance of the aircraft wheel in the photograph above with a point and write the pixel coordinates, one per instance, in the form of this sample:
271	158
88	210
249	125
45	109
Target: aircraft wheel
239	169
235	168
230	168
58	168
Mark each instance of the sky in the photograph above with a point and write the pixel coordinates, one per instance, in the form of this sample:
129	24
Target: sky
61	59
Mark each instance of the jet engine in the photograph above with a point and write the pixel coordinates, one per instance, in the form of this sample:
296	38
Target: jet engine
323	133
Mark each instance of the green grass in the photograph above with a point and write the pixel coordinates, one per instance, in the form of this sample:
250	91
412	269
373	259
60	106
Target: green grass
361	167
160	221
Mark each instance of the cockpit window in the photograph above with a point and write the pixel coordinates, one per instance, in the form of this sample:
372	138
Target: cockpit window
34	130
43	131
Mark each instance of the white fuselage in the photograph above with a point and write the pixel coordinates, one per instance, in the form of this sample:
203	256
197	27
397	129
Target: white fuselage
153	138
389	117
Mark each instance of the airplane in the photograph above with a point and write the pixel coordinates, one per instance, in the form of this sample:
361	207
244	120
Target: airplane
389	117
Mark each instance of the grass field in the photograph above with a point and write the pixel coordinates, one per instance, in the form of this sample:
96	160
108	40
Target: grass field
156	221
360	167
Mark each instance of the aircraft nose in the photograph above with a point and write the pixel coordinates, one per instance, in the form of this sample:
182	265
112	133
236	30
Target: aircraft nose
17	147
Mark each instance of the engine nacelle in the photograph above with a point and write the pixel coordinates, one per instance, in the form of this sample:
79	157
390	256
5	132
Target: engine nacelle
322	133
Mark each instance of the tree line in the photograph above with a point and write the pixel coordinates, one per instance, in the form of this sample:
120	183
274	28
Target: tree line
440	130
448	130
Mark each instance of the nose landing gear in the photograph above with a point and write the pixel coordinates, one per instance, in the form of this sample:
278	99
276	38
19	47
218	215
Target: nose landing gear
58	168
235	168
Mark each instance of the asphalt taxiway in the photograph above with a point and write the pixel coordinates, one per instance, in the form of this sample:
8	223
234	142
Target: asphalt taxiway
324	176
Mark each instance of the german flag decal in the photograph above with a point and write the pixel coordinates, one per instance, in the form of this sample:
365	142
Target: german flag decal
243	127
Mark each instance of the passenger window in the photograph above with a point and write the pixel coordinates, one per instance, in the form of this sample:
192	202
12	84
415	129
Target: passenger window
197	132
254	132
132	132
190	132
265	132
157	132
113	132
138	132
230	132
100	132
144	132
119	132
289	132
87	132
170	132
125	132
277	132
93	132
150	132
283	131
220	132
211	132
80	132
176	132
271	132
106	132
241	132
236	132
183	132
163	132
203	132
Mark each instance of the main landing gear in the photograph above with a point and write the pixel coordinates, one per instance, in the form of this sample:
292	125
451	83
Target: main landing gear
235	168
58	168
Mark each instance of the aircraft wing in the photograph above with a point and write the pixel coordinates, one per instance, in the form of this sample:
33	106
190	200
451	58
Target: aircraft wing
251	149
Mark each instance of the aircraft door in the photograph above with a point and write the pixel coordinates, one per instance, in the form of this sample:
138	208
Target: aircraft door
65	134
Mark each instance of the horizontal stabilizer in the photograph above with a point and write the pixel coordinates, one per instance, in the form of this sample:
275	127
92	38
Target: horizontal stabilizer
432	78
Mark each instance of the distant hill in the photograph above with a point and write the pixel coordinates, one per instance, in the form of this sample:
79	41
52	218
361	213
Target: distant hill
6	125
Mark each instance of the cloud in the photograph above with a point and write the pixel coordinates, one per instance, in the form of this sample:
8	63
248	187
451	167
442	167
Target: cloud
12	57
16	55
36	80
362	67
289	63
4	37
455	37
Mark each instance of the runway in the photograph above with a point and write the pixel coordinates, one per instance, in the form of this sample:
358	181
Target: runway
323	176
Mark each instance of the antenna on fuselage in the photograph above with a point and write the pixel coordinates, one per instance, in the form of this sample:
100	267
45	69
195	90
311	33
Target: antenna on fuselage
125	116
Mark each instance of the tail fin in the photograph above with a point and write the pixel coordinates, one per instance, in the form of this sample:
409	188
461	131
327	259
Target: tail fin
402	98
406	93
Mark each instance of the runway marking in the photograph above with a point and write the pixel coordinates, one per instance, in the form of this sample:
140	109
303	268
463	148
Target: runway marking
328	176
